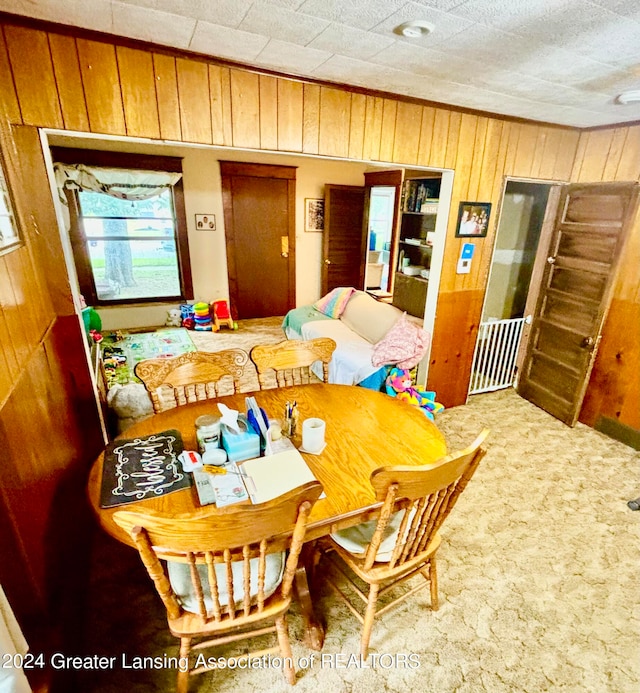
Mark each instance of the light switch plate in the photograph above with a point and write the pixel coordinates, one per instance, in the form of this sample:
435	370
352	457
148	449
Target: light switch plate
206	222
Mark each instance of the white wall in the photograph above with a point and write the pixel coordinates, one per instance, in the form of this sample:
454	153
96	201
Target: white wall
202	193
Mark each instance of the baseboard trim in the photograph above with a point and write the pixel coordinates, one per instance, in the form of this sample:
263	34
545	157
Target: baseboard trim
614	429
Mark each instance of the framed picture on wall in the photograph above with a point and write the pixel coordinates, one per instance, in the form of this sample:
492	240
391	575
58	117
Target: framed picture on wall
473	219
10	237
313	214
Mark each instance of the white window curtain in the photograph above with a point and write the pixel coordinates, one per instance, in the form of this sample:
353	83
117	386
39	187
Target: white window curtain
122	183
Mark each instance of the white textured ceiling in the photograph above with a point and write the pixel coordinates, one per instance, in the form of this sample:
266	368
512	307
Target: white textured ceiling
560	61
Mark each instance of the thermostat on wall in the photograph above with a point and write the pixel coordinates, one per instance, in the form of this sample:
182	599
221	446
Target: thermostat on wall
464	261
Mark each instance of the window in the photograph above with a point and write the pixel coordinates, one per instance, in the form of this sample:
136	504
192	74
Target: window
128	232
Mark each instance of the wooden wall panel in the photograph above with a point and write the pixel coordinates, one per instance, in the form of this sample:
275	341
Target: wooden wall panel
245	109
408	126
596	152
628	167
454	338
290	109
220	93
388	129
357	125
269	112
566	155
101	81
426	135
195	105
311	119
138	84
335	117
618	139
33	75
67	72
372	129
9	106
164	67
440	138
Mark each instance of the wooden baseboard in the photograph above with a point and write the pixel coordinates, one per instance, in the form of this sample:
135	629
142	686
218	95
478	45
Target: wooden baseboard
614	429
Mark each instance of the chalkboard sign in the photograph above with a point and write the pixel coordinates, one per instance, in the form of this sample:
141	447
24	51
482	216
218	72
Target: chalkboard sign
141	468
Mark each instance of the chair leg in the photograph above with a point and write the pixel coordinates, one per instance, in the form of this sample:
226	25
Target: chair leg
433	584
182	684
285	648
369	615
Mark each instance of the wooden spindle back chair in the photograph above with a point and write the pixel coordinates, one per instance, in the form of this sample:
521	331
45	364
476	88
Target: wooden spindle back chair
290	361
205	598
191	377
399	545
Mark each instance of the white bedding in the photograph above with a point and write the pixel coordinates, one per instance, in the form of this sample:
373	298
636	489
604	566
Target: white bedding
351	362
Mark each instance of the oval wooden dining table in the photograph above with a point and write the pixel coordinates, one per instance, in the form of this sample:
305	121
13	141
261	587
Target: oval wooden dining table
364	430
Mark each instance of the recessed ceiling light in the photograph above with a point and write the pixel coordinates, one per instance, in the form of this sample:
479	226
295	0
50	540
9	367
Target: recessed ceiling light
628	97
414	29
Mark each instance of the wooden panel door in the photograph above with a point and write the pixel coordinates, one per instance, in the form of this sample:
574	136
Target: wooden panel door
259	217
592	224
344	241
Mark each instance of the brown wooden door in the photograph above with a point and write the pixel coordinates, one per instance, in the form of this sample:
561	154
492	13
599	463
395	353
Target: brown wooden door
344	240
390	179
590	230
259	217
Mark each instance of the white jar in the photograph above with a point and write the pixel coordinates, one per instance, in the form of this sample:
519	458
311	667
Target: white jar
207	432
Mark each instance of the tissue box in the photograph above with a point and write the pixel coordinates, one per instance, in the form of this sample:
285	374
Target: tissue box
242	445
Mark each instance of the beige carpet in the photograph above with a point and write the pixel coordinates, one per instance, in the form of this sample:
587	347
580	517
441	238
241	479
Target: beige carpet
538	574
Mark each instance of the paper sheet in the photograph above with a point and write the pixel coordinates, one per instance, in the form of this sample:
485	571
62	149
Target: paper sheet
270	477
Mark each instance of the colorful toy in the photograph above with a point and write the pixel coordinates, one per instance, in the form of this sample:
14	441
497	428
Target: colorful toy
399	384
222	315
202	317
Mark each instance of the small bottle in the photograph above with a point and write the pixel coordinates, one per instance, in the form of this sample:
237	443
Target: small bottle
207	432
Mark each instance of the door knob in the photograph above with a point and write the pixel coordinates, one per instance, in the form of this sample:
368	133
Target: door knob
284	254
551	260
327	261
588	342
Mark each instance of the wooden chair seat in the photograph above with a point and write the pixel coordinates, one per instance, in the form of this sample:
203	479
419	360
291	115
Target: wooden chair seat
210	543
425	495
290	361
191	377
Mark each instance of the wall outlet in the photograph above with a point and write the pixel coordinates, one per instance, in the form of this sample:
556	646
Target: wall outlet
206	222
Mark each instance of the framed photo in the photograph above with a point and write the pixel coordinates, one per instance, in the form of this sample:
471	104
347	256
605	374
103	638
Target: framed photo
10	237
313	214
473	219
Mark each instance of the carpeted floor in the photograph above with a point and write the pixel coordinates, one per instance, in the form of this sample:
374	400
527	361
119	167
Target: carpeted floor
538	581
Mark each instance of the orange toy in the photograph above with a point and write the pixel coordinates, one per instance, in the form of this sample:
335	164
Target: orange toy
222	315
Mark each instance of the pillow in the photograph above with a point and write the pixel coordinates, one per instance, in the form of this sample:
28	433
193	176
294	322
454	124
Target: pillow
369	318
405	344
180	578
334	303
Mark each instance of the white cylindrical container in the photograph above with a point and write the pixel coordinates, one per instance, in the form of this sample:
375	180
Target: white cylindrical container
207	432
313	434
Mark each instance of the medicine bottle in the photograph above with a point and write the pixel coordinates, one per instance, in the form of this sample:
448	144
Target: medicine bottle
207	432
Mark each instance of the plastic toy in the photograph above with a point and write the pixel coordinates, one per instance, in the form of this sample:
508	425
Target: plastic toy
222	315
202	317
399	384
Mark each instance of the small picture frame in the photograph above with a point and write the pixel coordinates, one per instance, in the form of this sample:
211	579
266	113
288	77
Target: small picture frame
313	215
473	219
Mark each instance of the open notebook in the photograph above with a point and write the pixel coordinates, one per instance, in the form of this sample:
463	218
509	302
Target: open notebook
271	476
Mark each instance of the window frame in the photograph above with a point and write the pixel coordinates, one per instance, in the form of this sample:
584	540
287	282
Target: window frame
77	236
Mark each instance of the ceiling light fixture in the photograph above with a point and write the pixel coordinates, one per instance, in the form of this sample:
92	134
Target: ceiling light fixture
414	29
628	97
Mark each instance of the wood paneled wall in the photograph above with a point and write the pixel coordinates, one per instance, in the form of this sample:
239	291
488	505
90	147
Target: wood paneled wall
613	154
103	87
